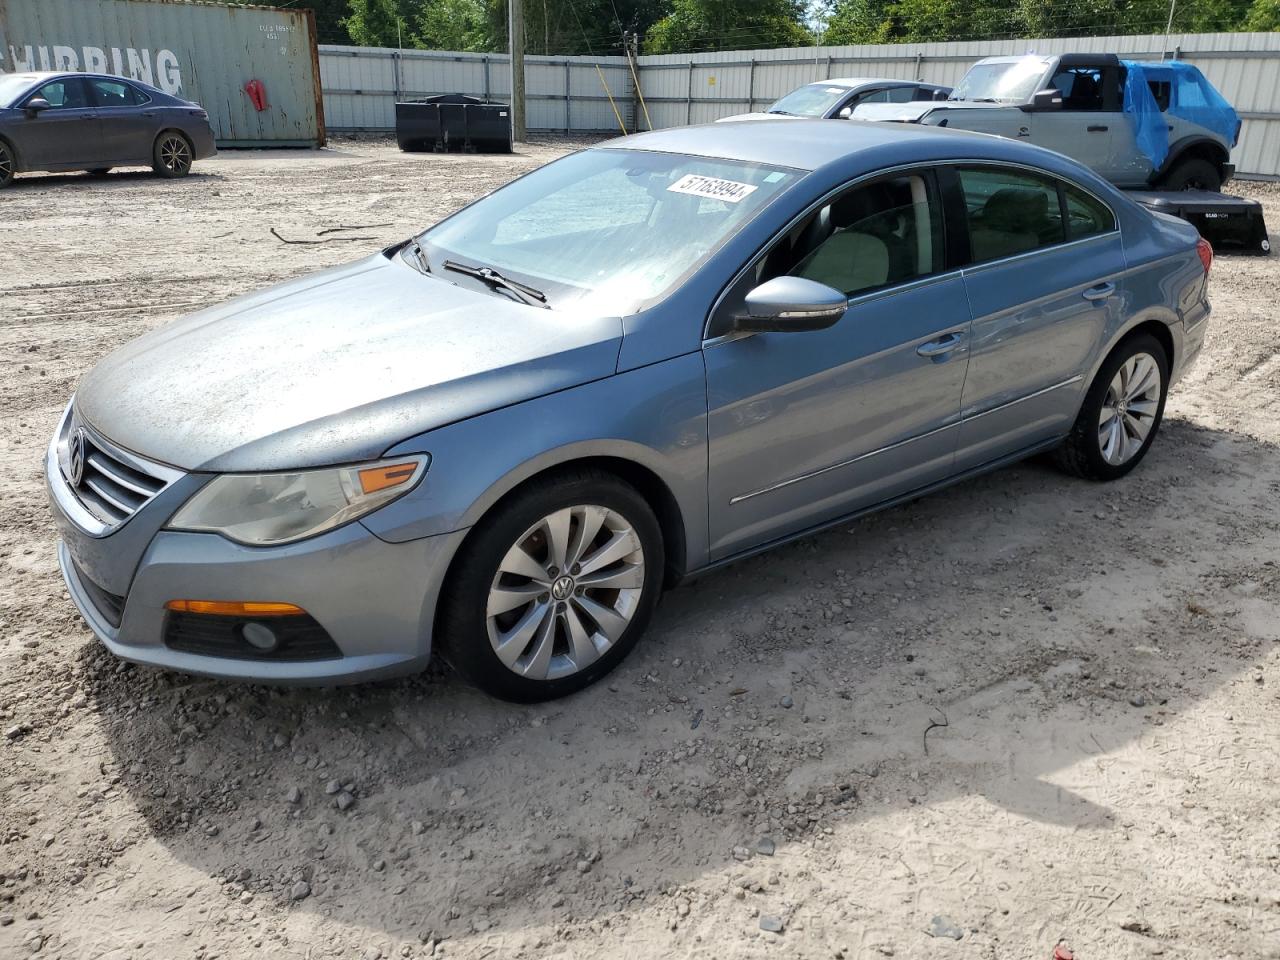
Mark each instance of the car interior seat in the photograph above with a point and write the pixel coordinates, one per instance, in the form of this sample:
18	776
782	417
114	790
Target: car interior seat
850	259
1012	221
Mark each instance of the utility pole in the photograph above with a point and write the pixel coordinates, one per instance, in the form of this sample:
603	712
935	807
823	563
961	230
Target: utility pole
515	40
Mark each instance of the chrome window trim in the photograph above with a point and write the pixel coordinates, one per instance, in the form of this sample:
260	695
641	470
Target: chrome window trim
916	165
901	443
974	268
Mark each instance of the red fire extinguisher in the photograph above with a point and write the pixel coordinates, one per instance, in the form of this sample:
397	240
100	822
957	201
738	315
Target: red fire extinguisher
257	94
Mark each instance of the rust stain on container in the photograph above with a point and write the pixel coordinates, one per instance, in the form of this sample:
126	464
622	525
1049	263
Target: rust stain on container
205	52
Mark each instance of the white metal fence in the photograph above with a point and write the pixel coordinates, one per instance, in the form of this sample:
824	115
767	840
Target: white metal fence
362	84
566	93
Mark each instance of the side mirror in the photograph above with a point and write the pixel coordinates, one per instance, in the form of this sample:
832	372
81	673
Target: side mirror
1044	100
36	105
845	113
791	305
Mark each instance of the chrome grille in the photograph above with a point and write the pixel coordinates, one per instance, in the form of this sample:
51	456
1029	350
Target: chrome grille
111	489
113	484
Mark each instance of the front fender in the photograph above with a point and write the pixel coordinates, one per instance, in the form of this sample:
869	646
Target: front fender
654	416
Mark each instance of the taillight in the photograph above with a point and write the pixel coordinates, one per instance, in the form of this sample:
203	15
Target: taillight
1206	254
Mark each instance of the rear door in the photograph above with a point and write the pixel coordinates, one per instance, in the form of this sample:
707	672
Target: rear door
65	135
1090	117
128	120
1044	281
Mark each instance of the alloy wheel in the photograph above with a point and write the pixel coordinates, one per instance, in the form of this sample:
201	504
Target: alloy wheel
565	592
175	154
6	164
1129	409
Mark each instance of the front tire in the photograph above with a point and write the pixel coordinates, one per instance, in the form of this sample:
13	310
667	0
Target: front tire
8	164
172	155
1194	173
1121	413
553	588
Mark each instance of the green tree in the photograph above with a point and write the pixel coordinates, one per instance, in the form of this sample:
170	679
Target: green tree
1264	15
728	25
453	25
374	23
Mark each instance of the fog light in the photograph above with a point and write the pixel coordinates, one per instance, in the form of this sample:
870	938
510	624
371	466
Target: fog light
259	636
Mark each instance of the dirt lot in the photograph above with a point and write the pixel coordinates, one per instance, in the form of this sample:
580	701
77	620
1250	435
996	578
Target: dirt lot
1036	709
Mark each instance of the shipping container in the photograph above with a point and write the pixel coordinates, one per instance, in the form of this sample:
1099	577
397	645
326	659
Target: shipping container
254	69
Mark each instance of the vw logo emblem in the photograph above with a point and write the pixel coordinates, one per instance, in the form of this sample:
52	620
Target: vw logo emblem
75	459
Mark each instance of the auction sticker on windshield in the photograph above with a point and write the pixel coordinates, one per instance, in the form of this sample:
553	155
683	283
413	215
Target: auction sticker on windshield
731	191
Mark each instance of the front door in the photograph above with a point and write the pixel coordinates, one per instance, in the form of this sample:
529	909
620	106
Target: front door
1091	116
1044	285
66	134
806	427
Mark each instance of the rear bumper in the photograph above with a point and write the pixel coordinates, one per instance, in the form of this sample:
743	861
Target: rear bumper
202	144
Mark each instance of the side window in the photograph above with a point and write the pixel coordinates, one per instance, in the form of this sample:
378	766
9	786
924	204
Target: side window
875	96
872	236
903	94
1010	211
67	94
1161	90
1085	214
1081	88
114	93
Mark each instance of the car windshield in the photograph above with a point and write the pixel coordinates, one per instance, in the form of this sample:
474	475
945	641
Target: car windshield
1012	81
12	86
608	230
813	100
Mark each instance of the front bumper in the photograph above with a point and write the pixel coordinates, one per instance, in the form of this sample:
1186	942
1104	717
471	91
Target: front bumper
376	600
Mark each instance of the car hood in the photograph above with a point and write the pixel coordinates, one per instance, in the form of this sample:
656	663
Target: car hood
335	368
916	110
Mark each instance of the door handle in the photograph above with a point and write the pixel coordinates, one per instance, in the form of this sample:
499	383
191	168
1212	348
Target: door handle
148	113
1100	291
1096	129
943	344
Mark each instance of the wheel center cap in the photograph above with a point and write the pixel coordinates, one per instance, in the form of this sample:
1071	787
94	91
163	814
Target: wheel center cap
562	589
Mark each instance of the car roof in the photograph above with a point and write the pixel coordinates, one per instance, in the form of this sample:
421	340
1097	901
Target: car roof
812	144
38	76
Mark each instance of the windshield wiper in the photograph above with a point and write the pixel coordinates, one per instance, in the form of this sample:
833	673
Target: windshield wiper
497	281
785	113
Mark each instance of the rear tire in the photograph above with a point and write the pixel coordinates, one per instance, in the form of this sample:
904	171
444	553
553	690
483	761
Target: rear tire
172	155
1121	413
1194	173
553	587
8	164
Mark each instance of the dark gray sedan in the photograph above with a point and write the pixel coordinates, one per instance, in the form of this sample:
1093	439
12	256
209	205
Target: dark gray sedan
88	121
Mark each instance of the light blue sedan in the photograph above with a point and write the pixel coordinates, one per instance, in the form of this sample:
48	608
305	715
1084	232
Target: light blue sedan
505	436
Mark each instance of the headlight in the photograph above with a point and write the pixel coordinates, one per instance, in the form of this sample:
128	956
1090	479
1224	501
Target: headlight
270	508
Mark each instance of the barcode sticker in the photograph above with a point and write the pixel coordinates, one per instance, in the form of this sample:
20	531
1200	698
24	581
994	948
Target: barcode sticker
713	188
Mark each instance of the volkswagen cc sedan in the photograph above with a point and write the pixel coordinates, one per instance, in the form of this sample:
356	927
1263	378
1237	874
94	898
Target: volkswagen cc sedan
89	121
503	437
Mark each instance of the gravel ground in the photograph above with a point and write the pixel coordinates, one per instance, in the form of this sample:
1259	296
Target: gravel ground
1023	711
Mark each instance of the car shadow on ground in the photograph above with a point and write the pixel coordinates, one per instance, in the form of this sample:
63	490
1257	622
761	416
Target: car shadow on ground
117	178
997	640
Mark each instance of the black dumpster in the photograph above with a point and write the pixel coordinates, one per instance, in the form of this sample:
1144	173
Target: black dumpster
1229	223
453	121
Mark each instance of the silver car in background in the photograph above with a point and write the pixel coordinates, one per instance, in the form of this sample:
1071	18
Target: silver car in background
836	99
503	437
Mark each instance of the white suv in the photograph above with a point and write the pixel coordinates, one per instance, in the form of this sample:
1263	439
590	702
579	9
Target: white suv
1074	104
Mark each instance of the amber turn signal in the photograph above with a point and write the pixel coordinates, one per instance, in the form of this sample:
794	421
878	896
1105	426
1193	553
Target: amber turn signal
235	608
378	478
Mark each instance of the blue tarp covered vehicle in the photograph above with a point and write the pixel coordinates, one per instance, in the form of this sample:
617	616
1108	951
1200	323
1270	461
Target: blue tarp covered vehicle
1152	90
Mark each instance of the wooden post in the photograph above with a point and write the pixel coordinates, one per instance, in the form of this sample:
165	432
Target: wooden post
515	41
